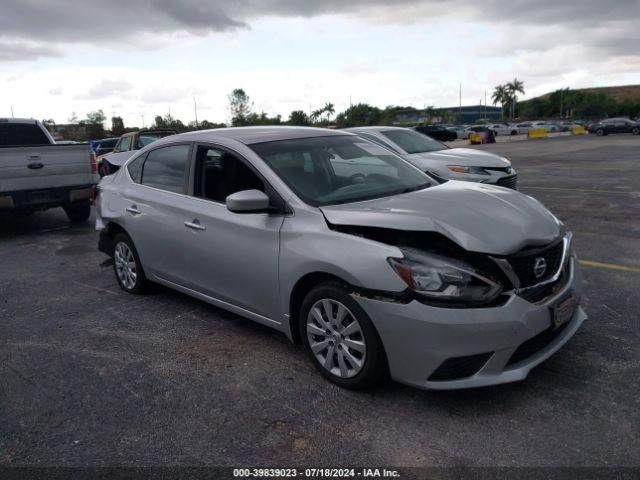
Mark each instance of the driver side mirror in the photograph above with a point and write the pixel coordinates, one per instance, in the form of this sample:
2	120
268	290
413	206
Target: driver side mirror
248	201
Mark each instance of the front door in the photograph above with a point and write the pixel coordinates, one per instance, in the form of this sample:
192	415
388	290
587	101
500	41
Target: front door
232	257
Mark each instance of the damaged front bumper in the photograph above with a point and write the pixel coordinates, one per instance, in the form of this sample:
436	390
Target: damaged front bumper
447	348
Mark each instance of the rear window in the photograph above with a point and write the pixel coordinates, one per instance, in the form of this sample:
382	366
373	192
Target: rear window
19	134
108	143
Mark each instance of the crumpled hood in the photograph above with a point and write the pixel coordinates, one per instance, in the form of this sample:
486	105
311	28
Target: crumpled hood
467	157
120	158
478	217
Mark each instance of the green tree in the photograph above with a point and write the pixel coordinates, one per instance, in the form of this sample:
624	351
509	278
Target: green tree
117	126
300	118
500	95
360	114
95	124
240	106
514	88
329	110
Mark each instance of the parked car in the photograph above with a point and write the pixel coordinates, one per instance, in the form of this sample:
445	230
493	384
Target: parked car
38	174
127	143
350	250
549	127
489	135
436	131
441	161
459	130
502	129
522	127
104	146
615	125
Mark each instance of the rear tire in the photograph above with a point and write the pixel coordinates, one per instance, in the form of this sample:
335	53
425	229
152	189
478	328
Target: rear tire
343	344
514	132
600	132
78	212
635	131
127	267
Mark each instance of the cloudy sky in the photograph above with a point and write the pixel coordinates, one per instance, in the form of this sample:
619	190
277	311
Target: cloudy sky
141	58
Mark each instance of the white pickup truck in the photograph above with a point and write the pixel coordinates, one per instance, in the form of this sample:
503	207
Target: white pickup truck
37	174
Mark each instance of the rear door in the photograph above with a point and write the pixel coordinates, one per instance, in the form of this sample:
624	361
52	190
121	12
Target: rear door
155	206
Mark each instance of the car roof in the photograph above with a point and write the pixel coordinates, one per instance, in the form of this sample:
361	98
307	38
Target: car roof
251	135
373	129
32	121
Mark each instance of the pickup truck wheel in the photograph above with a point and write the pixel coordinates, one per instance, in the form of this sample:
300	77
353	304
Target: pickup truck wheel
127	266
340	338
78	212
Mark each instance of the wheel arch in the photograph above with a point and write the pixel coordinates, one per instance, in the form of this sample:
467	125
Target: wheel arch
300	290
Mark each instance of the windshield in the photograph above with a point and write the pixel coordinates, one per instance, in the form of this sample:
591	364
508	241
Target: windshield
413	142
340	169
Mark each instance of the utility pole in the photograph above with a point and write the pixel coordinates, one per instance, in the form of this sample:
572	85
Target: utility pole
485	104
195	110
460	107
12	112
561	94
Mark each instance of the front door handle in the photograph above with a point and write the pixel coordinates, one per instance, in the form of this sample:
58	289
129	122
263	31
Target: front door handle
195	225
133	210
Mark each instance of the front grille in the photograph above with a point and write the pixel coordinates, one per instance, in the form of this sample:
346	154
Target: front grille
508	182
460	367
536	344
540	293
523	263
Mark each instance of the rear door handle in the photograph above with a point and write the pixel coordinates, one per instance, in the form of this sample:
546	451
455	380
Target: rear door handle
195	225
133	209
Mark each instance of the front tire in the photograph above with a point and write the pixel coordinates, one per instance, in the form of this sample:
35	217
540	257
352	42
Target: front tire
600	132
78	212
340	338
127	266
635	131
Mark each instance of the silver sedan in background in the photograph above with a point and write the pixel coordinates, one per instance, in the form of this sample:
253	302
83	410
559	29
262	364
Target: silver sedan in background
441	161
348	249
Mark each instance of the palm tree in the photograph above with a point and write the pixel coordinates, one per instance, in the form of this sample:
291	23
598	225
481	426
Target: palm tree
316	114
500	95
514	88
329	109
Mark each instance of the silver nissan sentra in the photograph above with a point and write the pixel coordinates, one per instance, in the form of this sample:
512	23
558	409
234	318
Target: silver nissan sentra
375	267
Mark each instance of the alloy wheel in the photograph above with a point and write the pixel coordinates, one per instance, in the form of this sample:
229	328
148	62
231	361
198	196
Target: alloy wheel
125	265
336	338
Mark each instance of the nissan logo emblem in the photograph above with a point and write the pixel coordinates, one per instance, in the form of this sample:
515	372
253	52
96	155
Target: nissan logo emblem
539	267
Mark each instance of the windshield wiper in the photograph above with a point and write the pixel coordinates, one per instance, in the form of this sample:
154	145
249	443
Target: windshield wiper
415	188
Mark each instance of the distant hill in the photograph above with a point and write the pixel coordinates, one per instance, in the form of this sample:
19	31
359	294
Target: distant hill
620	93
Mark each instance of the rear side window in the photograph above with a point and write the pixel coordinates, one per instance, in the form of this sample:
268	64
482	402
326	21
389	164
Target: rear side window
135	168
166	168
17	134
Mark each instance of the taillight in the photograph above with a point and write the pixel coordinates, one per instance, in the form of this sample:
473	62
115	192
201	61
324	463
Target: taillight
94	163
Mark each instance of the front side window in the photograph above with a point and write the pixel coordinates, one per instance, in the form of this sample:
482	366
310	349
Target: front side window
166	168
340	169
412	142
219	174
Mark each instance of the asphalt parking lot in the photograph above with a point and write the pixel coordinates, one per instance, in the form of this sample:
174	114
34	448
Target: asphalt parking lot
90	375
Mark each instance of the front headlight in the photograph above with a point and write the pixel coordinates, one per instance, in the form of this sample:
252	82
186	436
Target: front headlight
473	170
444	279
